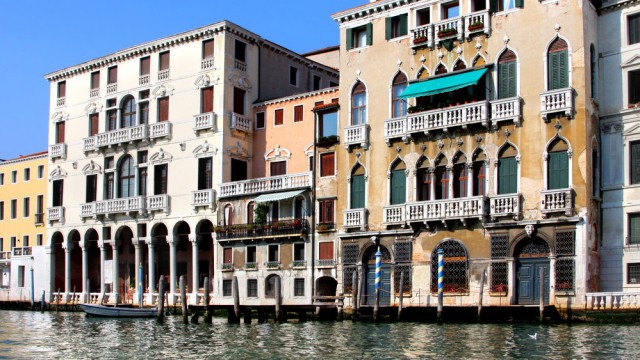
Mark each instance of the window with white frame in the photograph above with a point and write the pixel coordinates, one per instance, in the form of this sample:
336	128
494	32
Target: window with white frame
360	36
633	28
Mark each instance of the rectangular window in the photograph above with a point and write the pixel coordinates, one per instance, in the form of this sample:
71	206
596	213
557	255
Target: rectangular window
278	117
21	276
112	119
13	242
274	253
25	240
633	22
251	254
396	26
93	124
1	210
27	174
206	100
325	250
40	209
25	207
633	273
450	10
14	176
328	124
252	288
634	229
14	208
634	87
39	238
277	168
326	209
318	103
238	101
240	51
164	61
205	173
142	181
95	80
160	179
40	172
359	37
298	252
293	76
327	164
316	82
311	164
60	130
238	170
298	287
227	255
1	179
92	188
112	75
298	113
58	192
144	113
634	162
163	109
260	120
226	287
423	17
145	66
109	183
62	89
207	49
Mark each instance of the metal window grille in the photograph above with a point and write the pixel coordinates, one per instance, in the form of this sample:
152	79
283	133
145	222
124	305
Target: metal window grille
535	248
455	267
564	274
633	273
347	278
226	287
403	251
349	253
499	272
252	288
565	243
499	246
298	289
402	269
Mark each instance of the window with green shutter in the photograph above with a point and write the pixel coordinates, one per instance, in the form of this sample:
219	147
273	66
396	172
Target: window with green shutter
507	75
507	176
398	187
634	162
634	229
395	26
558	170
357	192
558	65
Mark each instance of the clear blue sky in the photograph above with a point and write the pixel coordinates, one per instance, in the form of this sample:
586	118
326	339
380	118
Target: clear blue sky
38	37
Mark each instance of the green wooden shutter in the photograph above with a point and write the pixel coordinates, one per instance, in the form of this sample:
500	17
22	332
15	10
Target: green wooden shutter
634	228
493	6
563	69
349	39
635	162
369	29
388	28
507	176
519	3
403	26
357	192
552	71
512	80
558	170
398	187
507	80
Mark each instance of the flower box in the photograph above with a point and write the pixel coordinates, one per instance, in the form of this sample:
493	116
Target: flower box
447	32
419	40
478	25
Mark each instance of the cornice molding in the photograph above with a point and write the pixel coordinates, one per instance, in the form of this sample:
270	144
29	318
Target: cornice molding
369	9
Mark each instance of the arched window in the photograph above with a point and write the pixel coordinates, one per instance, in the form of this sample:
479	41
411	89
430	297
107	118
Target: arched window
459	65
398	183
558	165
594	72
299	207
441	179
479	174
270	286
558	65
126	178
359	104
479	62
357	188
250	208
455	267
460	176
440	70
423	73
507	170
507	75
128	118
423	180
228	215
398	106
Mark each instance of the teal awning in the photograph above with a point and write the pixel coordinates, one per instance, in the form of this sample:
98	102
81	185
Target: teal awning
277	196
443	84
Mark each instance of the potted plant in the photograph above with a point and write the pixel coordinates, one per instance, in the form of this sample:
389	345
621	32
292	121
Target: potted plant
476	26
419	40
250	266
299	263
447	32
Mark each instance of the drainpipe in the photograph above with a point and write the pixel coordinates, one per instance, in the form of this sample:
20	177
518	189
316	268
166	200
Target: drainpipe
313	209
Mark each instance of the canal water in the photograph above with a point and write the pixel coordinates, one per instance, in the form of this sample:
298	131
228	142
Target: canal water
31	335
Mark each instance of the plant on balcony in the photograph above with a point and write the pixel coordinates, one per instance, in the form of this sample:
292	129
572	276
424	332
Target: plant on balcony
565	286
447	32
327	140
415	109
419	40
452	288
476	26
260	213
500	288
219	229
273	265
299	263
250	266
227	266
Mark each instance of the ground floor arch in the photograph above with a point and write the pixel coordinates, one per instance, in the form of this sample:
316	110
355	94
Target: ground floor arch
369	271
532	256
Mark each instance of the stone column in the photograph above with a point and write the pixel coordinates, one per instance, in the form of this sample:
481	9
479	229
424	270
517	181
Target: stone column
552	280
85	273
67	270
470	179
449	176
50	251
116	273
103	257
512	281
152	270
194	269
432	188
137	263
172	268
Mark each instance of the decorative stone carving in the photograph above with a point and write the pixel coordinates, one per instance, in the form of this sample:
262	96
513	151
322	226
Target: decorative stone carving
161	157
91	168
529	229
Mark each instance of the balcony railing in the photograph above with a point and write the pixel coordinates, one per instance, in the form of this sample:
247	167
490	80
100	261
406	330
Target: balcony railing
286	227
163	75
477	22
326	263
88	210
299	264
22	251
267	184
160	130
356	218
144	80
612	300
240	65
112	88
455	28
449	29
94	93
206	121
506	110
423	36
440	210
55	213
124	205
252	265
203	198
556	101
273	265
39	218
556	201
58	151
61	101
505	205
116	137
438	119
394	214
240	123
206	64
357	135
5	255
158	203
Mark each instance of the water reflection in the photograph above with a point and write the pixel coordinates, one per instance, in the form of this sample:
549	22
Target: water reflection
72	335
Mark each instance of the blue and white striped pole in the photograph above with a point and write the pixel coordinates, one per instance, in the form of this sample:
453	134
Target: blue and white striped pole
140	286
378	269
440	283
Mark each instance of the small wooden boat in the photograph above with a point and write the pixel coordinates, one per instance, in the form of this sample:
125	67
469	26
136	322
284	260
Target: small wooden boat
118	312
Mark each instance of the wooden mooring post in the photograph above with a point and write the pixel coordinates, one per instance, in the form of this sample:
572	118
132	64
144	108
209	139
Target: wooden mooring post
87	297
236	297
161	298
42	302
183	300
401	296
541	294
247	315
207	290
354	295
482	280
376	305
58	301
278	314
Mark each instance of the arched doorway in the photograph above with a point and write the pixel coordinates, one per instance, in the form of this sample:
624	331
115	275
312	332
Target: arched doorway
532	256
183	254
76	261
369	269
126	281
270	286
93	260
326	286
205	251
161	261
58	261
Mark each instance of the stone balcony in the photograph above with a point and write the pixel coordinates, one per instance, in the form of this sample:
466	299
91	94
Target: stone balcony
508	205
58	151
206	64
556	101
118	137
144	80
55	213
61	101
556	201
94	93
462	209
5	256
275	229
355	219
241	123
160	130
437	119
158	203
507	110
203	198
240	65
114	206
206	121
266	184
455	28
163	75
112	88
357	135
19	251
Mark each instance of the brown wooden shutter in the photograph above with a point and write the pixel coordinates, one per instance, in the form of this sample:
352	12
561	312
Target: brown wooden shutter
112	75
327	164
238	101
93	124
297	113
60	132
207	49
318	103
278	168
163	109
207	100
326	250
279	117
164	60
95	80
145	65
260	120
227	255
62	89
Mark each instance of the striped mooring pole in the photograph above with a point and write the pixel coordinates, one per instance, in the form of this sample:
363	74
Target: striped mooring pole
440	283
140	284
378	269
